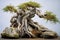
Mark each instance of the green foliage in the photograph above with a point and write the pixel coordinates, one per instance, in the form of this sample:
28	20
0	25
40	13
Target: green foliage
29	4
48	15
51	17
10	8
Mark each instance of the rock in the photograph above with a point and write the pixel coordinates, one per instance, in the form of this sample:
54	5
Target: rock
49	34
45	32
9	32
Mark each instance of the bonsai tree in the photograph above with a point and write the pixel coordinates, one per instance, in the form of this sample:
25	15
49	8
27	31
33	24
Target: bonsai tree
25	24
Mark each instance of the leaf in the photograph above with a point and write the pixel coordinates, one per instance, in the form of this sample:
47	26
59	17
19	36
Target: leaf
10	8
29	4
51	17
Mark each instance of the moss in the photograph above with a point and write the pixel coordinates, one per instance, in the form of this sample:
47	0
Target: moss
4	35
29	4
16	36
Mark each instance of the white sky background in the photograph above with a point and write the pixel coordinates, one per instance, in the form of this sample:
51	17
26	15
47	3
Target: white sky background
51	5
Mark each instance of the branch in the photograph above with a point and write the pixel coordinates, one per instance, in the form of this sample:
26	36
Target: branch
39	13
48	16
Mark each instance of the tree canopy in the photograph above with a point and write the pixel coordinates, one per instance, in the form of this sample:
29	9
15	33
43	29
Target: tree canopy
51	17
29	4
48	15
10	8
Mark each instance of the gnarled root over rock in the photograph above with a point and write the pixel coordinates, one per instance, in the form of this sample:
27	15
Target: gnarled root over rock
42	32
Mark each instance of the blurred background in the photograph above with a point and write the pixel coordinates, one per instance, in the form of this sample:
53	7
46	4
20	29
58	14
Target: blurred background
51	5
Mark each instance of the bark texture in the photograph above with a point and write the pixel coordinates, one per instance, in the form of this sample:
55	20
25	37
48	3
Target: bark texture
26	27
